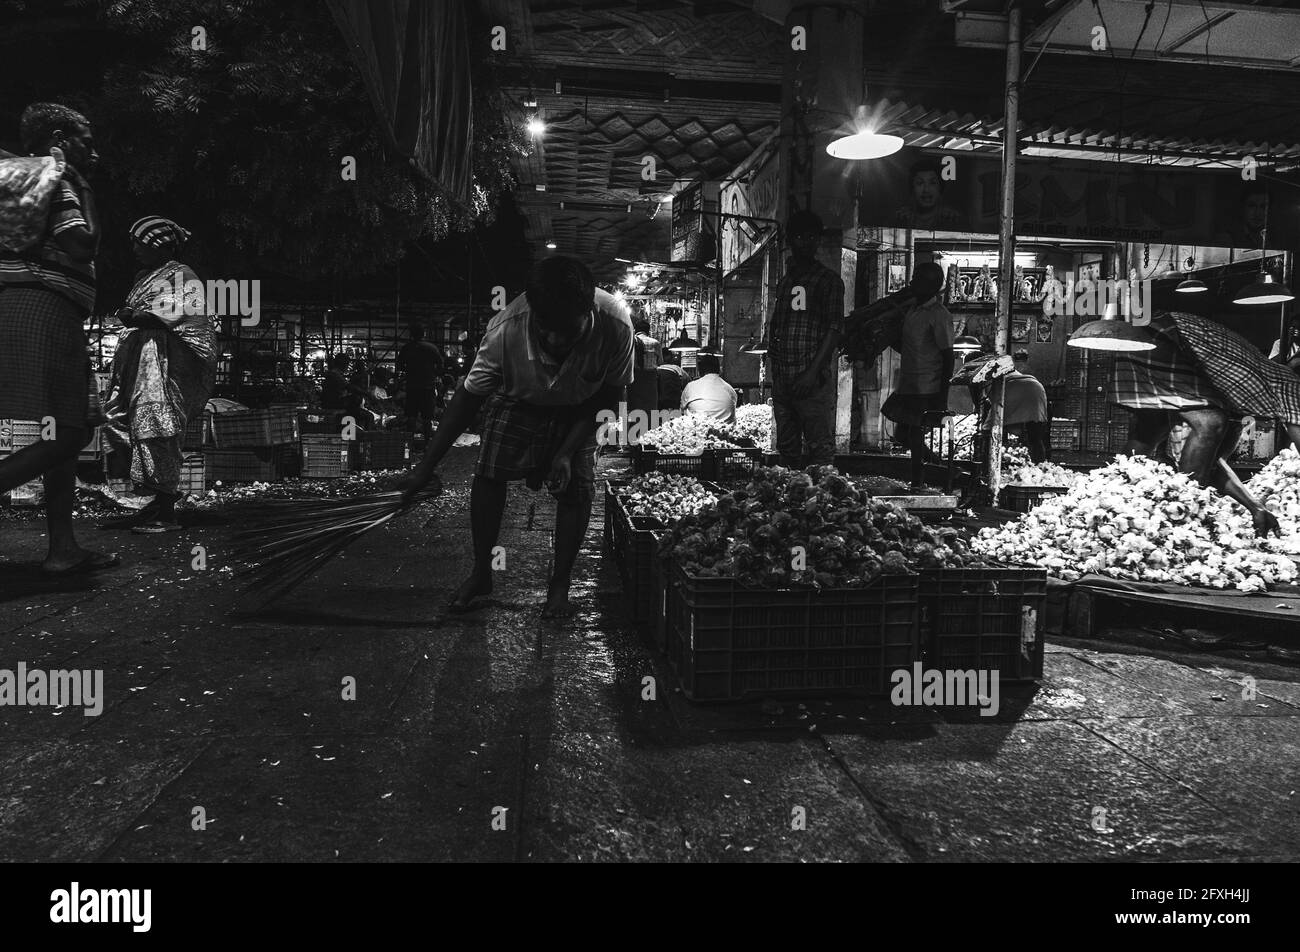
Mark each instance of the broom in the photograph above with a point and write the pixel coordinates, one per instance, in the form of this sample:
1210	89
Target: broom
288	540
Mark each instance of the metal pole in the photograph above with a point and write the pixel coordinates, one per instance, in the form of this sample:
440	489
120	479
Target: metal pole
1006	236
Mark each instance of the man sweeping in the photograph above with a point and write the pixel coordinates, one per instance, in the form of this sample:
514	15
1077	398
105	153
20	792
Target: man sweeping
548	364
1209	377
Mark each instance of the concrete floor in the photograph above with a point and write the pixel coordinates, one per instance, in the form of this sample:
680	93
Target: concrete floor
465	720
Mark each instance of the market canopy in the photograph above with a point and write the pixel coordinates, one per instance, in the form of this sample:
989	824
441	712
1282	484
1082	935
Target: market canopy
414	58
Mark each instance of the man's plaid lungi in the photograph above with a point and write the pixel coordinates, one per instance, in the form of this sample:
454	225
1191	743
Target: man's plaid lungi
44	365
1201	363
519	441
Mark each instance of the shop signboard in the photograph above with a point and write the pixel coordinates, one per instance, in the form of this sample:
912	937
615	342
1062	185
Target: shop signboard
749	207
688	222
1105	201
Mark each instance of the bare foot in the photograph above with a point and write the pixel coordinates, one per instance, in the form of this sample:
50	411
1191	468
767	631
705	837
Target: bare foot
557	603
471	589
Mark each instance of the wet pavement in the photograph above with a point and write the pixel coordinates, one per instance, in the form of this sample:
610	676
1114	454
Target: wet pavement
226	736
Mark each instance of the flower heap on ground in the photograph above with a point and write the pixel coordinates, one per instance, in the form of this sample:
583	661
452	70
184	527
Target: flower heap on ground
665	496
1042	474
1138	519
788	529
1277	487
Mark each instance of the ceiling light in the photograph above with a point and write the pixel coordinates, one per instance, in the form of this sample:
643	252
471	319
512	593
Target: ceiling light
966	344
865	145
536	126
1111	334
1191	286
1264	290
550	246
684	344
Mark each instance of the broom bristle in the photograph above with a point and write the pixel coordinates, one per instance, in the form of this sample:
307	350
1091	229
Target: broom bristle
285	541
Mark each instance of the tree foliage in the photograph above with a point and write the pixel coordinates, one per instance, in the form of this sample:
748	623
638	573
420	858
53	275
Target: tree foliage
244	140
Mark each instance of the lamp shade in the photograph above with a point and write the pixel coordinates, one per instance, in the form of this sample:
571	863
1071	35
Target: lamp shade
1191	286
865	145
684	343
966	344
754	348
1112	335
1265	290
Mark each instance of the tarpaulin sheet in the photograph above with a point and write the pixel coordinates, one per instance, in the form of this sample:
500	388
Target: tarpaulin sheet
414	57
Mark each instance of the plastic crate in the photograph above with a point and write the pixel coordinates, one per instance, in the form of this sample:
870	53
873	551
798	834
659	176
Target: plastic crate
727	642
196	432
193	474
254	428
326	457
711	464
1071	408
328	422
1117	437
989	619
1065	435
651	461
636	548
94	450
384	450
27	495
252	464
1096	438
1098	410
1024	498
18	434
732	464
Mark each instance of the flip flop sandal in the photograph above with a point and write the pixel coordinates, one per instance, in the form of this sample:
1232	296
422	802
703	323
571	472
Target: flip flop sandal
93	562
156	528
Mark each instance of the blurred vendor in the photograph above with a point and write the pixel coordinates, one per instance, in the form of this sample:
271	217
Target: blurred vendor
672	381
1024	410
643	394
1209	377
710	396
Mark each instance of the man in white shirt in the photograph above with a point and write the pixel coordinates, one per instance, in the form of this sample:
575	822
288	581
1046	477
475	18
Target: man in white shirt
710	395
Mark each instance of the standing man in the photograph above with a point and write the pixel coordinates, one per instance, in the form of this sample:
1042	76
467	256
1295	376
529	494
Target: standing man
710	396
45	295
548	364
643	395
1024	409
925	368
807	321
422	362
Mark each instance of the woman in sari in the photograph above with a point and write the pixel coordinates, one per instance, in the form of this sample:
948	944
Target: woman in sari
163	371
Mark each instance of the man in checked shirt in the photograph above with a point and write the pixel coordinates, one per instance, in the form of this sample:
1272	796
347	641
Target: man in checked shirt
805	328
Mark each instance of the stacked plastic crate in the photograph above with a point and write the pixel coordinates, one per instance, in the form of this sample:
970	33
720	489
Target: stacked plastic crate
252	446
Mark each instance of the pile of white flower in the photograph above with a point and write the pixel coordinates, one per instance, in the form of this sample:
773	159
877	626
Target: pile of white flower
1042	474
1141	520
754	420
1277	487
686	435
